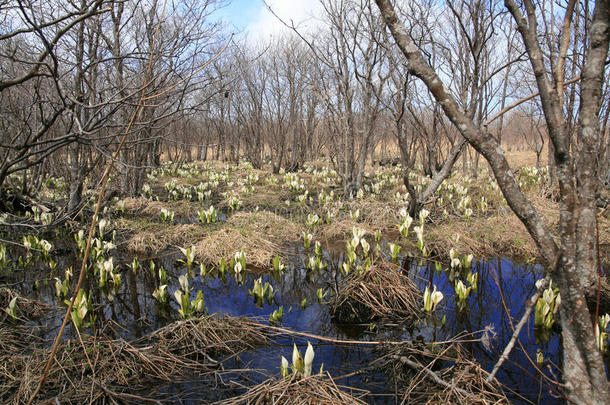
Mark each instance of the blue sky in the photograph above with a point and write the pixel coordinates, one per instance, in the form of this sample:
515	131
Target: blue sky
253	16
240	13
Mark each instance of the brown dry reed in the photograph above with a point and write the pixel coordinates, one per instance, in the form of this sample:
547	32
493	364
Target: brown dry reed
382	292
260	234
438	375
26	308
297	390
97	369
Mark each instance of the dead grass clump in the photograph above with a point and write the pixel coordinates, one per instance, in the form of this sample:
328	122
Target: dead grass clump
382	292
219	335
317	389
95	369
153	237
500	234
260	234
494	236
15	339
182	208
445	376
274	227
147	207
82	371
270	197
223	243
26	308
135	205
374	215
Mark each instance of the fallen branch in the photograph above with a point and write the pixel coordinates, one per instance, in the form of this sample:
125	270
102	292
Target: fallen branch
431	374
509	347
128	397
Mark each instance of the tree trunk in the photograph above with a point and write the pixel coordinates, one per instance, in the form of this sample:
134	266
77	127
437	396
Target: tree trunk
573	262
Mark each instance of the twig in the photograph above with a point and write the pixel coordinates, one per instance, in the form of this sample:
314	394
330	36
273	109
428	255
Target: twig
431	374
523	100
83	269
126	396
353	342
509	347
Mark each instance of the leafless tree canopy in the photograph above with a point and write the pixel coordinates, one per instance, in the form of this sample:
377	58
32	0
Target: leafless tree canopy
424	83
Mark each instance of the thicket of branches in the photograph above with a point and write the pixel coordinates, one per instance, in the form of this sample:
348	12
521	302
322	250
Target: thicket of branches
428	83
71	73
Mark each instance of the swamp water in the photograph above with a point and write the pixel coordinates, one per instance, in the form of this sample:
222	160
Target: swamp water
502	285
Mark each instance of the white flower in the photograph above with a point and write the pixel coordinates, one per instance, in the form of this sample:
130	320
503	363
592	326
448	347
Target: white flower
309	355
102	225
548	295
394	249
108	265
365	245
184	282
46	245
296	356
436	297
284	367
159	292
358	232
178	296
461	289
557	303
423	214
407	221
419	231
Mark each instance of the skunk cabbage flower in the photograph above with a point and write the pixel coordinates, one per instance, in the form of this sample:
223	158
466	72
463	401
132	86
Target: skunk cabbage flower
284	367
309	355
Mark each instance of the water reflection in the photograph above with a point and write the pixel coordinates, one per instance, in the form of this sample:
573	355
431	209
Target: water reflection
503	286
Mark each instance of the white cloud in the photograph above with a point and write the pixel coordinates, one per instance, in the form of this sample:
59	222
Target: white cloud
301	13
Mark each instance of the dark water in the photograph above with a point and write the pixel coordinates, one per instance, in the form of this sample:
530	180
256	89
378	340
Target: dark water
501	282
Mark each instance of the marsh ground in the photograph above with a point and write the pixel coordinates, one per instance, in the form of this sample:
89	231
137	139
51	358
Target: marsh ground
280	249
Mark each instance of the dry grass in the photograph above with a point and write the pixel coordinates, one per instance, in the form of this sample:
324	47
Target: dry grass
219	335
26	308
260	234
135	205
96	369
270	197
317	389
274	227
526	158
382	292
500	233
156	237
492	236
144	206
444	375
374	215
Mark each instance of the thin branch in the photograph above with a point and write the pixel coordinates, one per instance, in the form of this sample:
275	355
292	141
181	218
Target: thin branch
509	347
431	374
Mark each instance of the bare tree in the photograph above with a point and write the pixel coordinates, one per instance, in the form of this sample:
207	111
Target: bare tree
572	262
32	72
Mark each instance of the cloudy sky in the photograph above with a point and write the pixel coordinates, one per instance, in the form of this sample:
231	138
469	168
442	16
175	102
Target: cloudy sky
253	17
